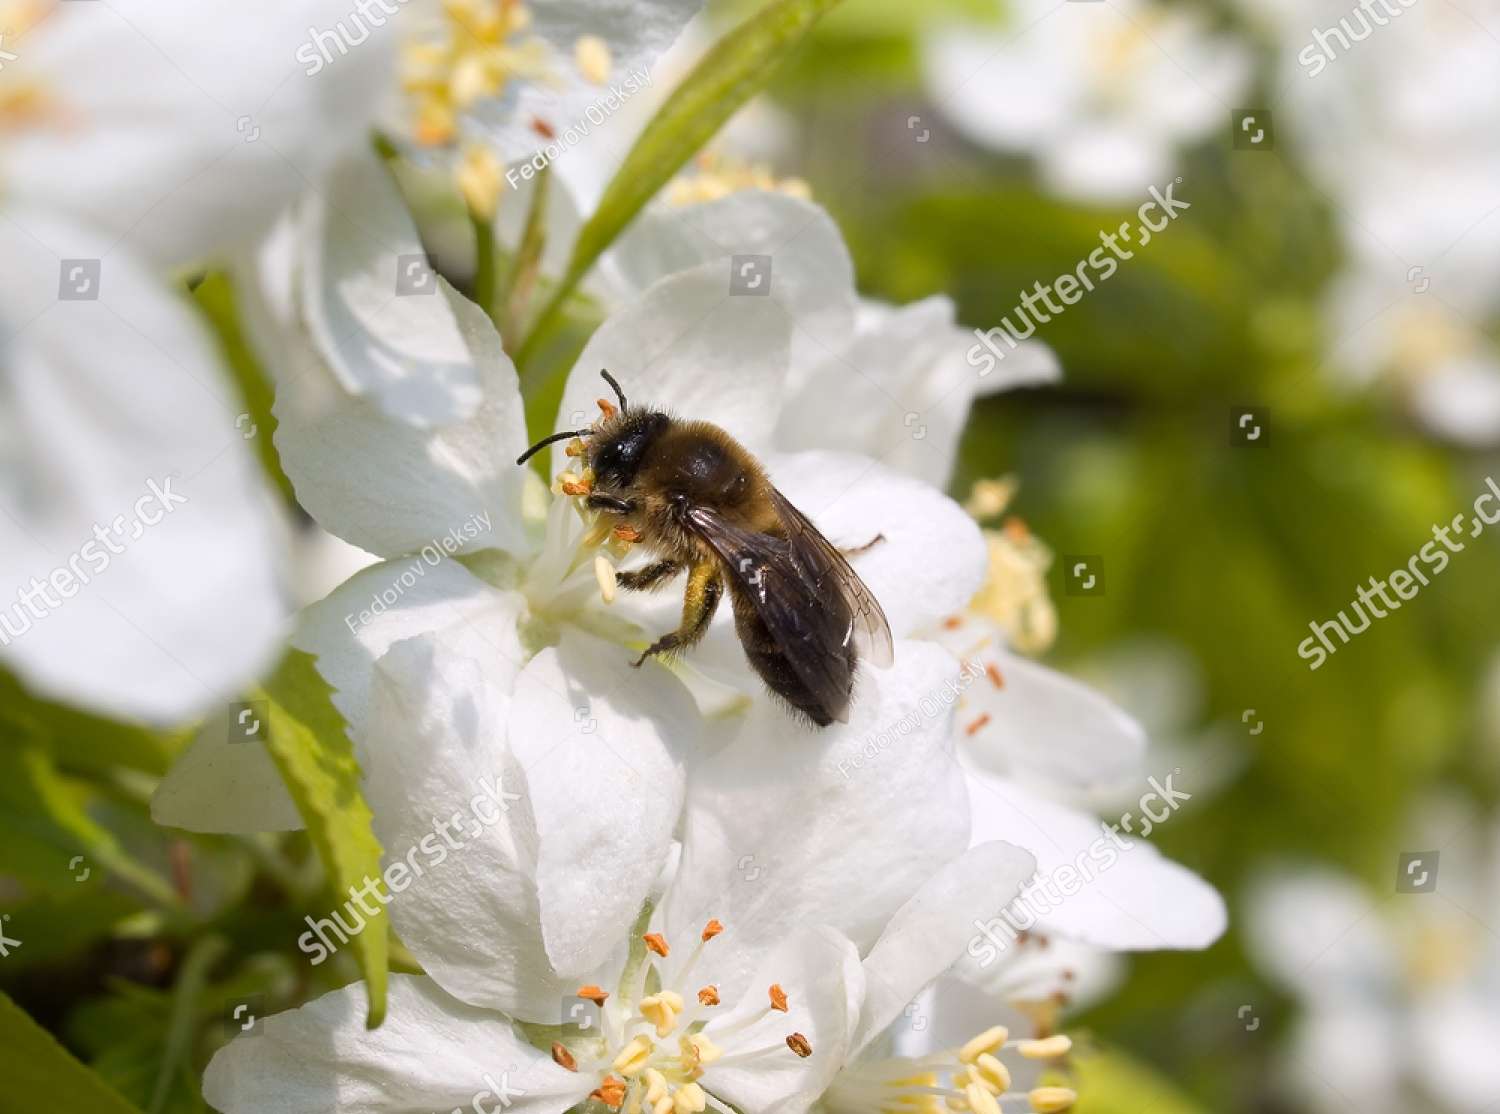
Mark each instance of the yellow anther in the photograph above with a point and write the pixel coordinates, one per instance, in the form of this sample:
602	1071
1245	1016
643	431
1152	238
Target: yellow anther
990	1040
663	1105
592	55
1052	1100
989	498
656	1086
661	1012
479	176
689	1099
604	573
633	1057
704	1051
712	929
709	996
1048	1049
980	1100
992	1072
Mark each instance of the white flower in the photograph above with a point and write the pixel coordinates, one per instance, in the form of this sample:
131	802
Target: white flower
1398	998
1395	109
756	928
522	577
481	85
129	492
1101	94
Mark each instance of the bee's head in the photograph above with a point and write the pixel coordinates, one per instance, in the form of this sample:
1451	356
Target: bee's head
615	444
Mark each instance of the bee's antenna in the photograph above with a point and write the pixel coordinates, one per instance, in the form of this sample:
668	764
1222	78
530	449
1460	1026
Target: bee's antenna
545	441
619	394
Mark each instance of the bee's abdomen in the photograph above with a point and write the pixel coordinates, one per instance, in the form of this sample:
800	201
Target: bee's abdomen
768	660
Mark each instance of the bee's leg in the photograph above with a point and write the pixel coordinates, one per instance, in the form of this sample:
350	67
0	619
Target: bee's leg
611	503
858	549
704	590
649	577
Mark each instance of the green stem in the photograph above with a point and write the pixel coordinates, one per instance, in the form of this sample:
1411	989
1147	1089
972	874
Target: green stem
484	264
521	281
192	977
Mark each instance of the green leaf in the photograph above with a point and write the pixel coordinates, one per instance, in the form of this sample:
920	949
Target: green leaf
305	735
216	299
738	67
49	838
40	1074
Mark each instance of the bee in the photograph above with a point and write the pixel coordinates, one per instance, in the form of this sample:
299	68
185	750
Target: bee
701	504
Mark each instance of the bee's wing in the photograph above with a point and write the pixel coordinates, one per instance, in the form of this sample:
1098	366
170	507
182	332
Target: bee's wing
809	633
826	568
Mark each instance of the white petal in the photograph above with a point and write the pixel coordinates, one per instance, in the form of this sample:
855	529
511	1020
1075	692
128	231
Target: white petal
1350	1055
107	401
391	488
903	388
600	743
224	783
1318	931
811	275
1043	727
998	88
933	558
1117	892
372	303
432	1053
354	627
1107	162
690	346
930	932
1457	1033
1462	400
820	972
437	754
219	788
201	112
789	825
